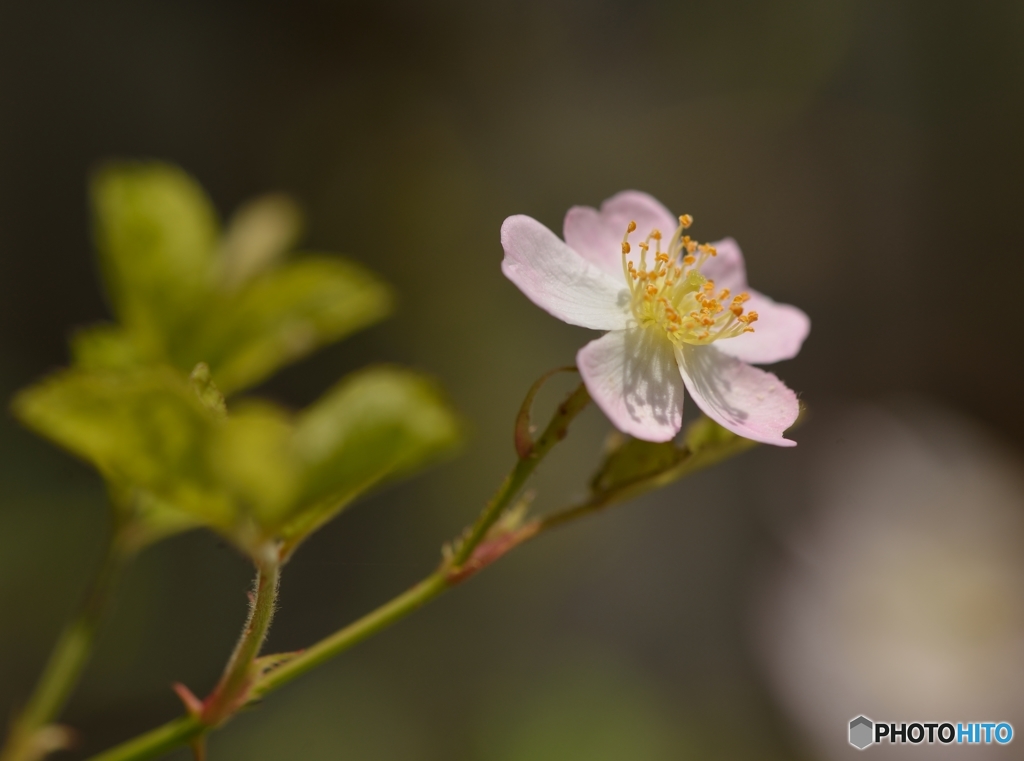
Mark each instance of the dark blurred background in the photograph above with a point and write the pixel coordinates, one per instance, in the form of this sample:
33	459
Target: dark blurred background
868	156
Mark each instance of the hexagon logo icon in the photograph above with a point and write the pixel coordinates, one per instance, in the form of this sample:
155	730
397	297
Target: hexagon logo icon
861	732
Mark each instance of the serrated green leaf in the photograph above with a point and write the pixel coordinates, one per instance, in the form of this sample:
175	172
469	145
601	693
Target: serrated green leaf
142	430
174	460
157	236
283	315
377	424
184	295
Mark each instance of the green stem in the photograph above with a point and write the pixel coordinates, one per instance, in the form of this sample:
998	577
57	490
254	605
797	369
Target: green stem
156	742
186	729
223	702
240	673
372	623
27	739
555	432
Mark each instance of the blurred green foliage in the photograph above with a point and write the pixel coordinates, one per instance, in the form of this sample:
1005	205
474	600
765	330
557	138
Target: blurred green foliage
227	309
183	293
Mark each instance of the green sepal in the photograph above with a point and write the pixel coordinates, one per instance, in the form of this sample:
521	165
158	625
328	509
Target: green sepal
632	460
632	467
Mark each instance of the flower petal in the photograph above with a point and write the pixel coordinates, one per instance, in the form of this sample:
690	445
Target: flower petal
746	400
778	334
597	235
780	329
558	280
726	268
632	376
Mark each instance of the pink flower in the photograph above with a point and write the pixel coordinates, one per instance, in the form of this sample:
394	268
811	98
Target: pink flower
679	315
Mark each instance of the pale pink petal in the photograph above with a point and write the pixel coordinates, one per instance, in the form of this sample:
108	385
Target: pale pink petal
558	280
597	235
727	268
778	334
780	329
632	376
746	400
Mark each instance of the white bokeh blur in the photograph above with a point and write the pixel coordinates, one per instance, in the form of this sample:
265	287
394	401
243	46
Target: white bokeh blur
900	595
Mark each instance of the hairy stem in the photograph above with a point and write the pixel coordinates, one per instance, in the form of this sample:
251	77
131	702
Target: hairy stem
31	735
240	673
224	701
482	553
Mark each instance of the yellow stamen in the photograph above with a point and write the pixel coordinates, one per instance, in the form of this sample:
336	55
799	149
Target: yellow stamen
674	286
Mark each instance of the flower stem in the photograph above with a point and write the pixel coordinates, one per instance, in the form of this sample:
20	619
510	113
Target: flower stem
524	467
186	729
241	683
156	742
387	614
31	735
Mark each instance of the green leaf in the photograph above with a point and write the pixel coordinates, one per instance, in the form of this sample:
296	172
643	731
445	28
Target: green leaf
173	459
142	430
283	315
157	236
149	518
105	347
183	295
377	424
259	234
255	456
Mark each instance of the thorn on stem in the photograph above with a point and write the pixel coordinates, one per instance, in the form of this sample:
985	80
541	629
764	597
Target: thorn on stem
193	705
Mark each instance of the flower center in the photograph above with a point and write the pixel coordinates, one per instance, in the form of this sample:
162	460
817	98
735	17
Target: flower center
673	294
